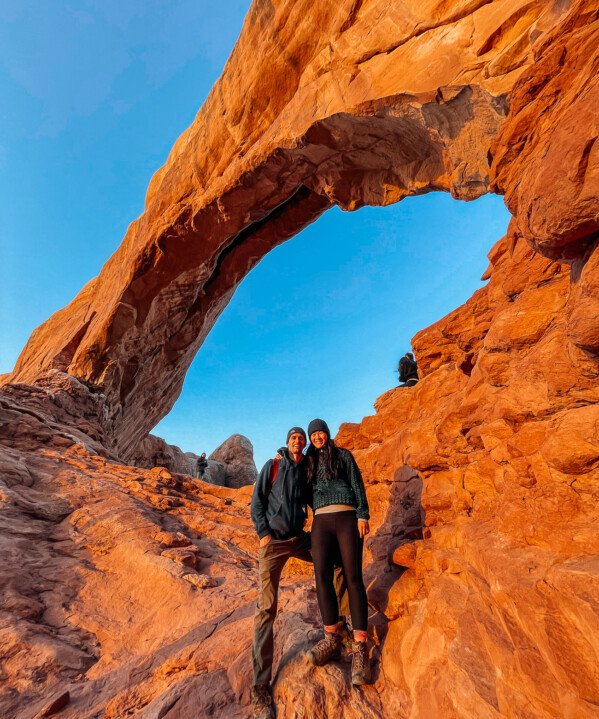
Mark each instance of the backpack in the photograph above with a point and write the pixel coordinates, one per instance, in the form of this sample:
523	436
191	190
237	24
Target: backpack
273	475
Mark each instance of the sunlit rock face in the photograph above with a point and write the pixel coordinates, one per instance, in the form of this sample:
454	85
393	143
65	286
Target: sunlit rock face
134	589
346	103
553	130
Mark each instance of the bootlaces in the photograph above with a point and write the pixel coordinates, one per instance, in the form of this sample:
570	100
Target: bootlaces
359	655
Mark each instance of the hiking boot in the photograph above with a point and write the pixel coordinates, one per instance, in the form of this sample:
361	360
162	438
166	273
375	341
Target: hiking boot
326	649
360	665
262	703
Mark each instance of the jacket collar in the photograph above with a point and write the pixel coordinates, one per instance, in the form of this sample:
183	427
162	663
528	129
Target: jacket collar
284	452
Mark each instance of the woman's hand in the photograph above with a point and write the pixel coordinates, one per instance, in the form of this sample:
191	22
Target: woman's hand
265	540
363	527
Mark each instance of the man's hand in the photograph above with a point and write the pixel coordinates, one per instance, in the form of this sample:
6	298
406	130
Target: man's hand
265	540
363	527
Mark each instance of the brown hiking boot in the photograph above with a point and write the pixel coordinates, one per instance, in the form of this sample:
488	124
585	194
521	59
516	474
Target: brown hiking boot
262	703
360	665
326	649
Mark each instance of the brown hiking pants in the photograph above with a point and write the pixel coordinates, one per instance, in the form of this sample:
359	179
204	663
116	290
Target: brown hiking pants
271	560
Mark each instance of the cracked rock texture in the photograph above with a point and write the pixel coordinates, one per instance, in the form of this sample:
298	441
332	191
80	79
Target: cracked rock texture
133	589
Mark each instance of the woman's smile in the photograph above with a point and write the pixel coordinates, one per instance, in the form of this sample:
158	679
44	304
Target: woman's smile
319	439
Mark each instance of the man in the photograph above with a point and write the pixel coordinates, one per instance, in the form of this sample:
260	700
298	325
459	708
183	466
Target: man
279	513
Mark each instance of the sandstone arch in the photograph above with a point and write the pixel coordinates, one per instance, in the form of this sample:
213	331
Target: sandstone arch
360	112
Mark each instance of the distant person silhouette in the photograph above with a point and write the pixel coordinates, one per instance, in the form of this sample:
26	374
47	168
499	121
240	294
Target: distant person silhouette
408	370
201	465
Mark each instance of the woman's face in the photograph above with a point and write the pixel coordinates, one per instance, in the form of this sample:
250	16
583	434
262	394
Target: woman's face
319	439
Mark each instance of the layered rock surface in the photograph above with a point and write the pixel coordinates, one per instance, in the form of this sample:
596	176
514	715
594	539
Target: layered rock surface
496	613
133	589
113	579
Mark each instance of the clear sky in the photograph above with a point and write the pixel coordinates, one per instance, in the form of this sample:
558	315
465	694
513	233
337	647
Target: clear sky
93	96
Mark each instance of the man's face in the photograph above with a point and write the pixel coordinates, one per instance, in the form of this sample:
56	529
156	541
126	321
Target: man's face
296	443
319	439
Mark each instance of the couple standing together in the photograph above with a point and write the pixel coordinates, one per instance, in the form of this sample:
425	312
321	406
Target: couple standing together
327	479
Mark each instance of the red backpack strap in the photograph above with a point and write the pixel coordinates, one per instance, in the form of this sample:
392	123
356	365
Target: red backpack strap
273	473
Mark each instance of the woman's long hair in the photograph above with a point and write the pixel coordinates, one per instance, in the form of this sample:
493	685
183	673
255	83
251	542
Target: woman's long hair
329	455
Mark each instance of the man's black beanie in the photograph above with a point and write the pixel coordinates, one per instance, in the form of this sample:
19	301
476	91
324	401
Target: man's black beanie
293	430
318	425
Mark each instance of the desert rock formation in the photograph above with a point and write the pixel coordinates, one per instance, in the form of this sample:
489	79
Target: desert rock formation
236	455
230	465
133	589
153	452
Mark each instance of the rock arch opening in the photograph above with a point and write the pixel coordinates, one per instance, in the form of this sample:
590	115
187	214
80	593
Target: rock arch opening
319	325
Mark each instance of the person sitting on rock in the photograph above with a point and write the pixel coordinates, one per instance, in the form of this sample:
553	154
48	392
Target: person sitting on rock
201	465
408	370
278	510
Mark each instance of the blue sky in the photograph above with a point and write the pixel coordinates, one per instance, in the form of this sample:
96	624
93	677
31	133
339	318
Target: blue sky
94	95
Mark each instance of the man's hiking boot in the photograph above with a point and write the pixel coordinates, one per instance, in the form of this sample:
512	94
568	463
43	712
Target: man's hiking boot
262	703
360	665
326	649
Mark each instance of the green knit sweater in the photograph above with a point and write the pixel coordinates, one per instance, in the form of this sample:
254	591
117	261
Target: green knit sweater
346	488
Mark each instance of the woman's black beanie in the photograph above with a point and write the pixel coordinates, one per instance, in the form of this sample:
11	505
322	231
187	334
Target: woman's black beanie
318	425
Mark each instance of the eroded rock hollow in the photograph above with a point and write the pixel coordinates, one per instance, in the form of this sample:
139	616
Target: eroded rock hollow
133	589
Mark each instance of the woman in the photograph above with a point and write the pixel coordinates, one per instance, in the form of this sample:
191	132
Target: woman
339	527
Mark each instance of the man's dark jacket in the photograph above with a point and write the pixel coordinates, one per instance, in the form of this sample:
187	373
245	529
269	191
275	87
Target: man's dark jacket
278	509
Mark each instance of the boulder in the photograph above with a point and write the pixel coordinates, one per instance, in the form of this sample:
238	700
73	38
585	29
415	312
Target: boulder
215	473
153	451
236	455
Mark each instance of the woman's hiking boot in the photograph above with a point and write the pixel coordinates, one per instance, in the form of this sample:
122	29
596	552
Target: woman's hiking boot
326	649
360	665
262	702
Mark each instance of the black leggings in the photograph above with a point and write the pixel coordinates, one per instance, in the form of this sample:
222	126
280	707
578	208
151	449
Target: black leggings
333	534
